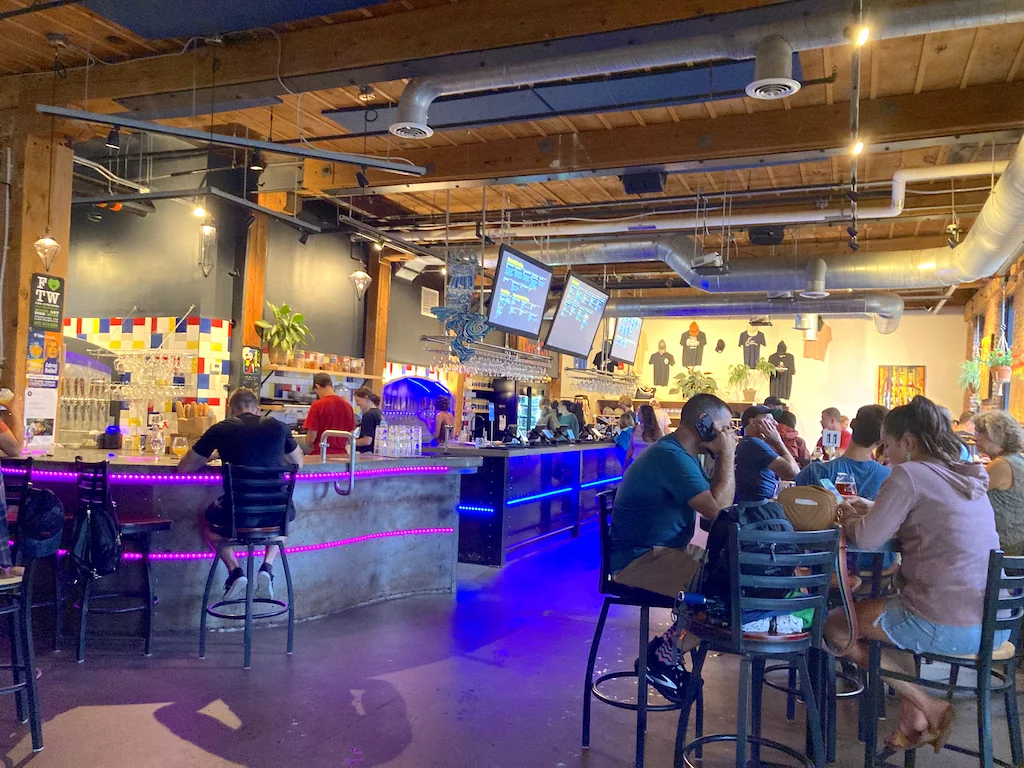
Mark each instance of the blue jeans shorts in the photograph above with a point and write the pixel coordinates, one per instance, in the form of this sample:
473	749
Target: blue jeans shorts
918	635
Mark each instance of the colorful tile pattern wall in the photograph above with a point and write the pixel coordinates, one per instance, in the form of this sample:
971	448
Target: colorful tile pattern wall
207	338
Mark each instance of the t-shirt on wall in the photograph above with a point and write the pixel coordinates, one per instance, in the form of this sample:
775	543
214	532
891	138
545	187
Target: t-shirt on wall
661	362
751	347
817	350
693	348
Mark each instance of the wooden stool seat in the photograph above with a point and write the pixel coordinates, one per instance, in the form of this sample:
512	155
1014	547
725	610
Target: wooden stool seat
1004	652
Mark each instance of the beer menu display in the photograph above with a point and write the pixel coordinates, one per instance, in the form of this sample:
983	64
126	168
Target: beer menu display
519	292
627	337
578	318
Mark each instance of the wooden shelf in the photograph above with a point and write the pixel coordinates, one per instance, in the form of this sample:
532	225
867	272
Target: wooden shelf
314	371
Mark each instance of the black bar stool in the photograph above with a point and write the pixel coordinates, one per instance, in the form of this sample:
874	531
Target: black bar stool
14	604
136	529
755	556
619	594
17	484
259	500
1004	609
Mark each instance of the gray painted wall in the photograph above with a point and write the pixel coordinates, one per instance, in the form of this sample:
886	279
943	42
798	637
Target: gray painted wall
313	279
124	260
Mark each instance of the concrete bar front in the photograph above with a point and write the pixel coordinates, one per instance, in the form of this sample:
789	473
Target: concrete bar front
396	534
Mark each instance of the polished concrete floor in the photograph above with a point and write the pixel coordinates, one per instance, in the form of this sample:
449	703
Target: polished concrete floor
490	679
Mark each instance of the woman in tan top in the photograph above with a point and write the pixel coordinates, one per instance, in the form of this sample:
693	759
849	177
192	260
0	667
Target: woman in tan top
937	506
1001	438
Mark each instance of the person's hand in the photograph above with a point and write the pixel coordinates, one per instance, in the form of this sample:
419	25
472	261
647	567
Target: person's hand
855	505
770	432
724	442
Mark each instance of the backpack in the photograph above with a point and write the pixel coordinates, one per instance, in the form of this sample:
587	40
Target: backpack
715	576
40	523
96	540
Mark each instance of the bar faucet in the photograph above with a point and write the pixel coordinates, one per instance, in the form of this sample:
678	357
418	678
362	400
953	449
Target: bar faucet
448	429
351	457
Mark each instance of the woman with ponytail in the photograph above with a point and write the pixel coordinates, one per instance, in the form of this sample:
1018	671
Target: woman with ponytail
937	506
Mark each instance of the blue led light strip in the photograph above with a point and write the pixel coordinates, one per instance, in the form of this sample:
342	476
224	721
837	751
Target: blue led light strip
602	481
474	508
534	497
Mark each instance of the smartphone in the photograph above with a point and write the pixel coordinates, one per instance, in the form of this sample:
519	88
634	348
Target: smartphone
828	485
705	428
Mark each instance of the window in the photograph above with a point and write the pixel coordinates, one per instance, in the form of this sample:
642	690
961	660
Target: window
1009	340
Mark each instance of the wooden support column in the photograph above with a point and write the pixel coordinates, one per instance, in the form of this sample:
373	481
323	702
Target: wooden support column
40	188
254	279
378	297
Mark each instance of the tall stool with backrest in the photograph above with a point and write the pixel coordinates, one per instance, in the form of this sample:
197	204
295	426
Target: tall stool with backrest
17	484
93	486
619	594
1004	609
753	556
259	500
15	602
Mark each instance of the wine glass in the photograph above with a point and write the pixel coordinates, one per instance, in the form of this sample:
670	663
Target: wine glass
846	484
179	446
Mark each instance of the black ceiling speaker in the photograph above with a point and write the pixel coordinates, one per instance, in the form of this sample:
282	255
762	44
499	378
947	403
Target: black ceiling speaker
644	183
772	235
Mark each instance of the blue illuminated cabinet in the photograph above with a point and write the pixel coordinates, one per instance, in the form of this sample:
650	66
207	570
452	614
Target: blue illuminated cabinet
521	497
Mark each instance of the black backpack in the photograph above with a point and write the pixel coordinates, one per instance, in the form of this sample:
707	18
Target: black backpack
40	523
96	540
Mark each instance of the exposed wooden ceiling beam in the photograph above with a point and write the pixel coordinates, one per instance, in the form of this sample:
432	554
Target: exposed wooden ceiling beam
431	32
810	129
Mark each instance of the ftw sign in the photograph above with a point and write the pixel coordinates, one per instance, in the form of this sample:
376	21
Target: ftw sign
46	303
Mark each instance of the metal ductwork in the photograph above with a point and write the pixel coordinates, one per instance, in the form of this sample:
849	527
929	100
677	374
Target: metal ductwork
885	309
773	71
803	25
997	238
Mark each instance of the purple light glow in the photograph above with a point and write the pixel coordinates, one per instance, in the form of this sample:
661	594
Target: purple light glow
134	478
154	556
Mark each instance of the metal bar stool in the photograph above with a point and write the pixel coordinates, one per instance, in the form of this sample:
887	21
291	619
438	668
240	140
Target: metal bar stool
755	559
1004	609
93	493
14	603
259	501
619	594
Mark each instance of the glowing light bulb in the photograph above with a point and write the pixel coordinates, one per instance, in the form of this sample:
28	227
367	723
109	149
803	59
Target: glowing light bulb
862	35
199	212
857	148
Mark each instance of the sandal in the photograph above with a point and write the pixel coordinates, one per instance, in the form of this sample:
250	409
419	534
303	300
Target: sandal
944	729
899	741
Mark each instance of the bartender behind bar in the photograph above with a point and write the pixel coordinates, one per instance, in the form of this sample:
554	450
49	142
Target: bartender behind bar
328	412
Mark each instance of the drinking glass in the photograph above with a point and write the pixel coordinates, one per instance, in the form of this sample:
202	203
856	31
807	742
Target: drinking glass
845	484
179	446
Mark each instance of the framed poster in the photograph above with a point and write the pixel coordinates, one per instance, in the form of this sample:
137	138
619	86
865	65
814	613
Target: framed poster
899	384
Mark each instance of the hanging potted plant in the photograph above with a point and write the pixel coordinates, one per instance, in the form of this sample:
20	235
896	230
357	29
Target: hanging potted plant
970	374
286	333
739	379
999	362
694	382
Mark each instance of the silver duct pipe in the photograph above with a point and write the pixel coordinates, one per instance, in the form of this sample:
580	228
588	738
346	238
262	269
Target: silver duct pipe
804	25
886	309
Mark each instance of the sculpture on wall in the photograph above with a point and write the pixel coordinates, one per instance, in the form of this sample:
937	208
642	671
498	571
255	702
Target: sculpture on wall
461	323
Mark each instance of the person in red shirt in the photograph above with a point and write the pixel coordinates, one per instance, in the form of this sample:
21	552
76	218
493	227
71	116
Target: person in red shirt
328	412
830	419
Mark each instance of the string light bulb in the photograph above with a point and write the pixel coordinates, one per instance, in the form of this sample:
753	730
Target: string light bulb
862	35
857	148
199	212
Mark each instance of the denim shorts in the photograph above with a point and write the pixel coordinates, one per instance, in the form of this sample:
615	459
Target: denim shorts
918	635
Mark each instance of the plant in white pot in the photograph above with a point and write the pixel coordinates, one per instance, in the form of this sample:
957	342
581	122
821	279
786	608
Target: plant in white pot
286	333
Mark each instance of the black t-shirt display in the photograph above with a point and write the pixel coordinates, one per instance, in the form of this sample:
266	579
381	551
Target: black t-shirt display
368	428
785	364
248	440
751	347
693	348
661	362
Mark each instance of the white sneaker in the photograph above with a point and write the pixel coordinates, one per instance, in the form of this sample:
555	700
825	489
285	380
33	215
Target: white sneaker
788	625
236	592
264	586
761	625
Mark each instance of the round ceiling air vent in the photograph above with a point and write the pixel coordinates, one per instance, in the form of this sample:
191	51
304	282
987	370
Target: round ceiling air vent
772	88
814	294
413	131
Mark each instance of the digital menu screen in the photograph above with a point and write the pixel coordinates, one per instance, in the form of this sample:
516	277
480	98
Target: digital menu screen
518	294
577	319
626	339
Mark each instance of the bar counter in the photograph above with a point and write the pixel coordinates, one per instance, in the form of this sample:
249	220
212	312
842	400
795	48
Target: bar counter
396	534
522	495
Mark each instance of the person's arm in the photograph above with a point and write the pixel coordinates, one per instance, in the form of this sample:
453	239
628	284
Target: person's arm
1000	475
292	450
876	523
723	485
10	444
200	453
630	450
192	462
311	423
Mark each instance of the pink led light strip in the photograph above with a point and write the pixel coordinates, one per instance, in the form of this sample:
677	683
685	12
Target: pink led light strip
129	478
155	556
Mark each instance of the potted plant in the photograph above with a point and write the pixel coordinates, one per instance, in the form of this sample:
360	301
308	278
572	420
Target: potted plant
694	382
739	378
287	332
970	374
999	362
764	370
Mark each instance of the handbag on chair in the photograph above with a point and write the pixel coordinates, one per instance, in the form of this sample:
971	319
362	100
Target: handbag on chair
812	508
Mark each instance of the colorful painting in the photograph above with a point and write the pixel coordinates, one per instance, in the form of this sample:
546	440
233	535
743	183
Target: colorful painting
899	384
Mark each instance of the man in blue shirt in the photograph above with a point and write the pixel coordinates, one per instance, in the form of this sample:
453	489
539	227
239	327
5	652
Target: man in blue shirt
859	459
655	513
762	459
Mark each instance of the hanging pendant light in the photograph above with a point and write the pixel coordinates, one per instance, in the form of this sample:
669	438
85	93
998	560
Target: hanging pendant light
46	248
361	281
207	247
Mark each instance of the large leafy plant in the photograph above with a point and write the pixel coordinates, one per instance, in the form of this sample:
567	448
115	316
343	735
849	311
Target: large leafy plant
694	382
738	375
970	374
288	330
